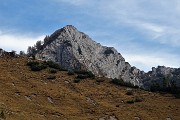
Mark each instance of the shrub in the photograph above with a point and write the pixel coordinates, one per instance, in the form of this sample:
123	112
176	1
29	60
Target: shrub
77	80
62	69
2	116
100	80
36	66
51	77
81	76
122	83
52	64
80	72
130	101
129	92
70	72
138	99
117	81
53	71
32	63
108	51
177	96
88	74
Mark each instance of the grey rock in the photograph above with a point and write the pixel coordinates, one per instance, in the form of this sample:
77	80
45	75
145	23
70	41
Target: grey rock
108	118
162	75
75	50
50	100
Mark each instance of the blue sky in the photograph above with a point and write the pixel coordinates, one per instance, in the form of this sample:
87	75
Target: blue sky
145	32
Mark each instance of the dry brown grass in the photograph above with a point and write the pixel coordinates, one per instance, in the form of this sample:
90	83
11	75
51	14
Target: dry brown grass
26	95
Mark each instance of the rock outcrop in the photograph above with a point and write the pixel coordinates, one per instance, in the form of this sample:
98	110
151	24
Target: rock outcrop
162	77
75	50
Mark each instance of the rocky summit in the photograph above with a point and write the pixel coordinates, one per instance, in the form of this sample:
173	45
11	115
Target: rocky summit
75	50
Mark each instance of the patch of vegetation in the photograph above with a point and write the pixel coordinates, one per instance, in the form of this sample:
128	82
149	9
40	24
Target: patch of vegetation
77	80
62	69
108	51
169	86
51	77
122	83
84	73
130	102
129	92
36	66
52	64
2	116
99	80
136	99
81	76
70	72
32	63
53	71
177	96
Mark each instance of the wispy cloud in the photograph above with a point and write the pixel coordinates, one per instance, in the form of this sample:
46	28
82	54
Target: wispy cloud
147	61
17	42
145	32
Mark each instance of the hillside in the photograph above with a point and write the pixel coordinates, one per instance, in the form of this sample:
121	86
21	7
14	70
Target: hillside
29	95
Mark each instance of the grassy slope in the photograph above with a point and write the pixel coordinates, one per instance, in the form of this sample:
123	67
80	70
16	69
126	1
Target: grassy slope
26	95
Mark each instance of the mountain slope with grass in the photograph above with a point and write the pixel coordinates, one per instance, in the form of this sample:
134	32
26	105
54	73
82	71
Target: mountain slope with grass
50	92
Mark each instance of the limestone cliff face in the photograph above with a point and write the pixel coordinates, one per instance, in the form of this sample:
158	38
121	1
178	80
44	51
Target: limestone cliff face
75	50
163	76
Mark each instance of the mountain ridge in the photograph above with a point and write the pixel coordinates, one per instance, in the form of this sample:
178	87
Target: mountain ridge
73	49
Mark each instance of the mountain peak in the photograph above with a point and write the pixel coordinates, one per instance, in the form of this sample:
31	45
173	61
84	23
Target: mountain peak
74	50
69	27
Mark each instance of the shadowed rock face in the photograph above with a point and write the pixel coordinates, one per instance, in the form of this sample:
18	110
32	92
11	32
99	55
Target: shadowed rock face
163	76
75	50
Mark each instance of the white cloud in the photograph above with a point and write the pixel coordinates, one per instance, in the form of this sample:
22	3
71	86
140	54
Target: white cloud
158	20
17	42
147	61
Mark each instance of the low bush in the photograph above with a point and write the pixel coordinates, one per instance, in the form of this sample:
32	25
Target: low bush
138	99
51	77
2	116
32	63
77	80
70	72
84	73
129	92
53	71
81	76
36	66
52	64
100	80
130	101
122	83
108	51
62	69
